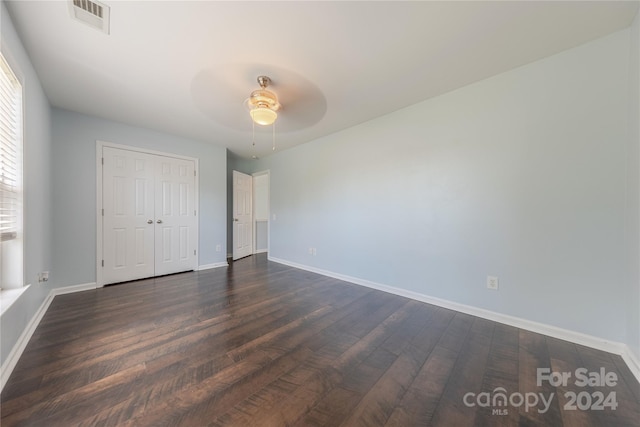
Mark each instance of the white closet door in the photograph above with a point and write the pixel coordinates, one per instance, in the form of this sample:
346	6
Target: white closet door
175	243
149	222
128	224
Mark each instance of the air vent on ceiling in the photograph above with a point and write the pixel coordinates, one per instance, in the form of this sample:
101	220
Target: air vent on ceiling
92	13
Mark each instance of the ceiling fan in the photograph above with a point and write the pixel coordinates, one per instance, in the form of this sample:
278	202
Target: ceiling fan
263	104
228	95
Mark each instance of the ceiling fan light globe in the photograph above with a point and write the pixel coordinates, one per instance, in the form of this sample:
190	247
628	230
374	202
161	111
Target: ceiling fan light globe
263	116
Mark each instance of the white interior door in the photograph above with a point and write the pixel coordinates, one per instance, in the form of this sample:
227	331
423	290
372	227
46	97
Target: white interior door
242	215
149	222
175	248
128	210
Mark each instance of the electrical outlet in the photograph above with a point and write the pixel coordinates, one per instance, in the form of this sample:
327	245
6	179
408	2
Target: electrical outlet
218	248
492	283
314	251
310	251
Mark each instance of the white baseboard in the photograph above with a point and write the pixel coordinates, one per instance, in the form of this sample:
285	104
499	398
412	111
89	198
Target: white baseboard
74	288
631	360
210	266
23	340
260	251
12	359
564	334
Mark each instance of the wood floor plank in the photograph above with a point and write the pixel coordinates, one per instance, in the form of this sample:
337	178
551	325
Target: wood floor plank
627	376
472	352
533	355
342	306
564	357
264	344
130	336
501	375
95	368
336	406
84	401
421	399
627	411
376	406
280	406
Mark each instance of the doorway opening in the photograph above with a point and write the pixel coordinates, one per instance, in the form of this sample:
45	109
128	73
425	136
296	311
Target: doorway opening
261	212
250	214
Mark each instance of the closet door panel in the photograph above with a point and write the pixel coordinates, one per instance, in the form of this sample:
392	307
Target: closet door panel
128	203
175	201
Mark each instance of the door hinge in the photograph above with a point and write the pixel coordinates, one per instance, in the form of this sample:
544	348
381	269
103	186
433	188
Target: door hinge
102	160
194	251
194	173
103	263
194	213
103	212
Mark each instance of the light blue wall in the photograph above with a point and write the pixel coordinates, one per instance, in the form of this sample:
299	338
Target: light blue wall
74	186
37	188
633	193
521	176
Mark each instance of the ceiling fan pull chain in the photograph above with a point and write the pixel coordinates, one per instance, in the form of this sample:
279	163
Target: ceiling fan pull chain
253	135
274	136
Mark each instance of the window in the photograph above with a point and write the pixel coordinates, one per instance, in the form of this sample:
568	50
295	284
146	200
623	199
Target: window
11	269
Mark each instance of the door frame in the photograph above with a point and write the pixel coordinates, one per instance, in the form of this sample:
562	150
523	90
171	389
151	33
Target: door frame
99	218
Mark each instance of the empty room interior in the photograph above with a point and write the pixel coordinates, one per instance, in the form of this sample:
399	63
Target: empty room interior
332	213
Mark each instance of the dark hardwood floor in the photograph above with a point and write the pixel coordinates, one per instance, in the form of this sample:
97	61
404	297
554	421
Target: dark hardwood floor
262	344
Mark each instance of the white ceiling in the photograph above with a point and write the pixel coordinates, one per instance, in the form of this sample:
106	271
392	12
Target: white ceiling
186	67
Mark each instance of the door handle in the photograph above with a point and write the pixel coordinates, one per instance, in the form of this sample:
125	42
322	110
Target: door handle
235	219
149	221
159	221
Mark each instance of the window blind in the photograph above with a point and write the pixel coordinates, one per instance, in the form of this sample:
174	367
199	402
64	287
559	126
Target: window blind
10	151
